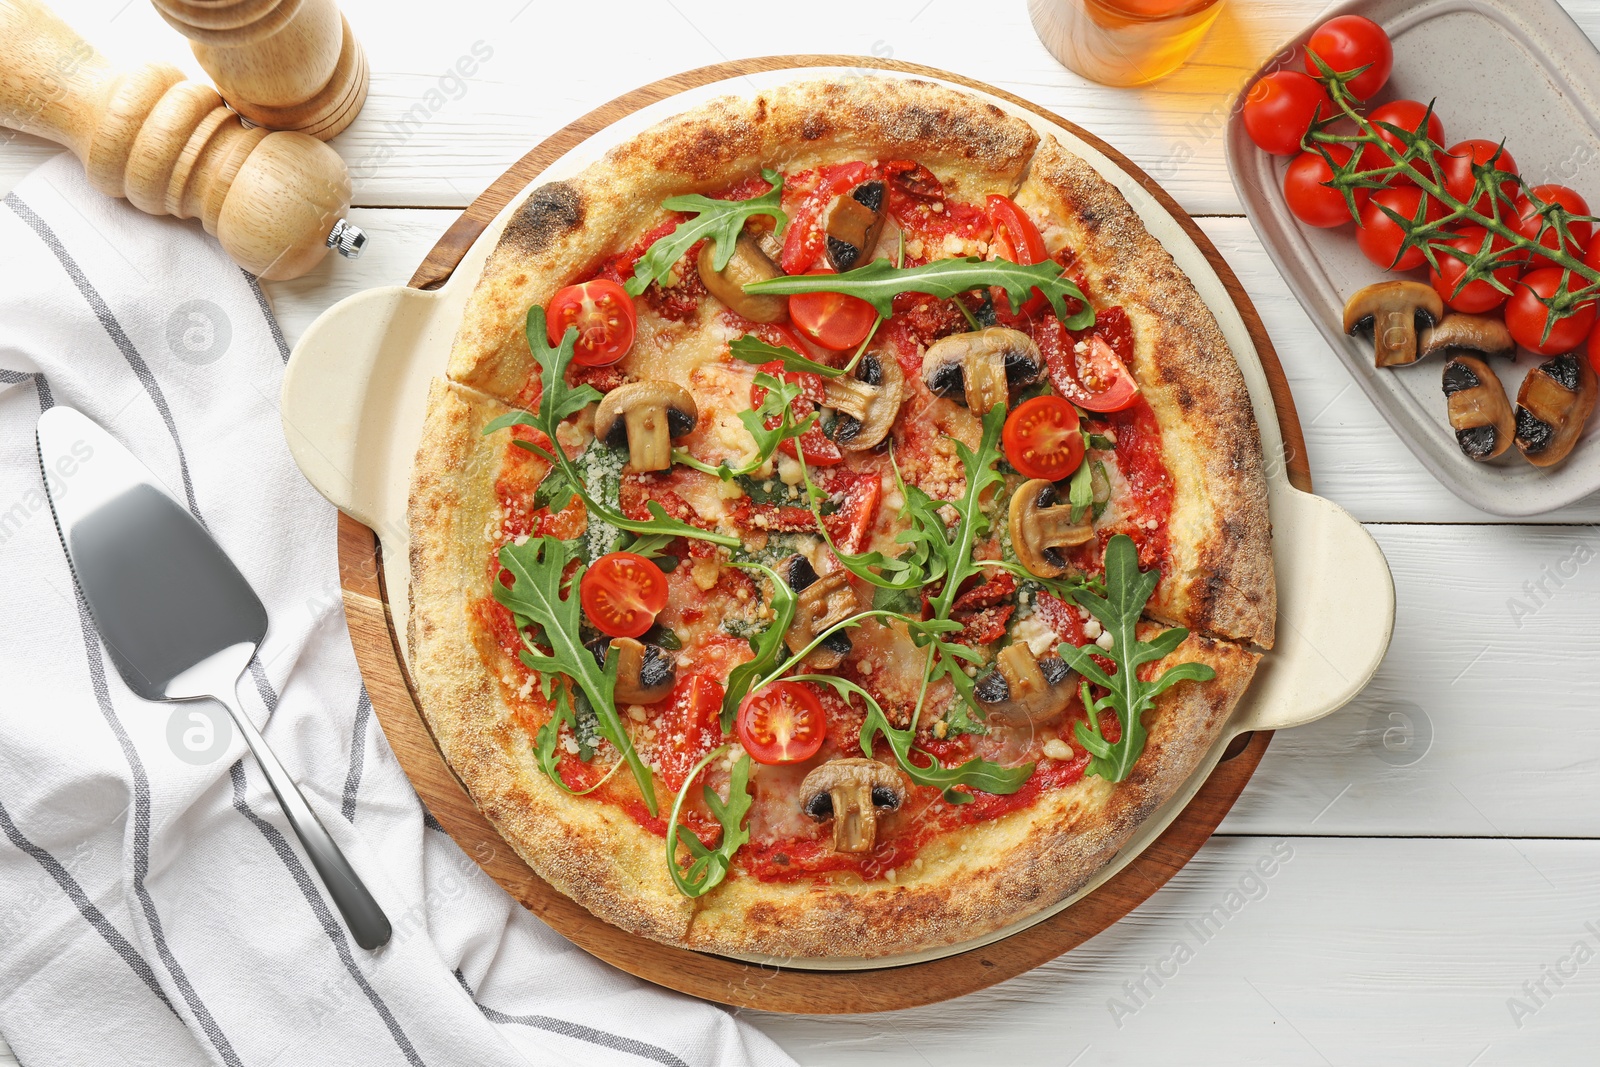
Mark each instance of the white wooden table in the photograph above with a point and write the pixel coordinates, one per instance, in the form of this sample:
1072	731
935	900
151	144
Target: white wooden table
1443	865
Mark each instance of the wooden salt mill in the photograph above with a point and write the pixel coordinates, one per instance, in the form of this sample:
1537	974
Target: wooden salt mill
282	64
276	201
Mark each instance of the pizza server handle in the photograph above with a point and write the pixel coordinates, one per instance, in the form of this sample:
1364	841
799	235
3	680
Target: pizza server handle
1335	614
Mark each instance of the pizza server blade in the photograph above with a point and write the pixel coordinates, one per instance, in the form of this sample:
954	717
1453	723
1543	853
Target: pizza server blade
174	613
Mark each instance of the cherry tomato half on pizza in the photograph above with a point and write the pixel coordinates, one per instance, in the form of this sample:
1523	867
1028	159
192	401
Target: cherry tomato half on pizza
781	723
622	592
1101	381
833	320
1042	438
1016	238
603	312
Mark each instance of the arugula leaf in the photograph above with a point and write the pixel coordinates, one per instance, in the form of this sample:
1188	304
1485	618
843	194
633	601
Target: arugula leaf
709	866
536	597
778	403
767	645
1128	590
752	349
719	220
586	730
979	774
974	522
557	401
880	281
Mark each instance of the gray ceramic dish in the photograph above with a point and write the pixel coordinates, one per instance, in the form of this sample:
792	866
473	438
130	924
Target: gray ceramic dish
1521	70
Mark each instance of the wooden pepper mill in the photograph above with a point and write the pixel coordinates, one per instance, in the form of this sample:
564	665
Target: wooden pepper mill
275	201
282	64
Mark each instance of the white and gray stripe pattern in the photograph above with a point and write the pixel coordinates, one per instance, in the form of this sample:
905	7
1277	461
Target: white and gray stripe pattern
162	878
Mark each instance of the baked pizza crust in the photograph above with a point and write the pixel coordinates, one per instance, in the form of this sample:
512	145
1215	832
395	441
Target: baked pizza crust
564	229
1220	574
969	883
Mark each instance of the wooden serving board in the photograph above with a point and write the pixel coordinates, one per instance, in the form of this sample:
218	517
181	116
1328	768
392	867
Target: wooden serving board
717	978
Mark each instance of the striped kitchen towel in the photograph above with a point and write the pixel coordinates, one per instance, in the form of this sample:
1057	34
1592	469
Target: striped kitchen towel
154	906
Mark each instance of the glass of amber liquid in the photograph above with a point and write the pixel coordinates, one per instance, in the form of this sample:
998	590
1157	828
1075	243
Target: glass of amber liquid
1122	42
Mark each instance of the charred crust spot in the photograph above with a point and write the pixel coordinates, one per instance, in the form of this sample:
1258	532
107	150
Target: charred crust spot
550	213
815	127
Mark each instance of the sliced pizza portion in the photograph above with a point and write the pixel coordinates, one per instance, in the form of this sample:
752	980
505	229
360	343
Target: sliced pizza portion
905	163
1183	464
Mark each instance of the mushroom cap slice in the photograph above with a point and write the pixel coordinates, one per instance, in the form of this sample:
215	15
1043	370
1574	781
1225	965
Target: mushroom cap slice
1393	312
819	604
853	224
869	401
851	792
1024	690
1483	334
645	673
1480	414
1041	526
646	416
1555	400
748	264
978	368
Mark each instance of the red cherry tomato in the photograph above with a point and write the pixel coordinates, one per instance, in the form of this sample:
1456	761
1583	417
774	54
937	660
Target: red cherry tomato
1380	238
1100	380
819	449
622	593
833	320
1476	296
689	717
1456	170
1280	108
1310	198
1526	317
1407	115
1529	220
1042	439
1016	238
1349	42
603	312
781	723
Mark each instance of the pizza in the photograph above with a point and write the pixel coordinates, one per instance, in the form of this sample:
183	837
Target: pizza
840	526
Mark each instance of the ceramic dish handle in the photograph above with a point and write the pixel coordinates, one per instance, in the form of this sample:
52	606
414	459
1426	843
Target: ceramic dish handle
342	378
1335	583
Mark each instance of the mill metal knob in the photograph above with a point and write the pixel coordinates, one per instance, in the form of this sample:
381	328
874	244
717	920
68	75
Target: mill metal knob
347	239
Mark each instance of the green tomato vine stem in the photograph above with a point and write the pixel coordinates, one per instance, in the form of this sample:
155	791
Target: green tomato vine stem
1432	236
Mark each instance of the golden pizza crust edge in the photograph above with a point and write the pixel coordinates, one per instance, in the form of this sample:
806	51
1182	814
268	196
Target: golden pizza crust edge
1221	577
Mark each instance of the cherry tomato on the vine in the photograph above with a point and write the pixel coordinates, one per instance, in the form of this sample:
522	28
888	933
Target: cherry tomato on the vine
603	312
1348	42
1456	170
1406	115
781	723
1380	237
1529	220
1526	317
1042	438
1310	198
833	320
1280	108
1476	296
622	592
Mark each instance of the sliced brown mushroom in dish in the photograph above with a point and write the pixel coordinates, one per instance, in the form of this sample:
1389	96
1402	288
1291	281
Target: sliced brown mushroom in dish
1480	414
646	417
852	792
645	673
1023	690
978	369
748	264
868	401
1479	334
1393	313
1556	399
819	604
853	223
1042	524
